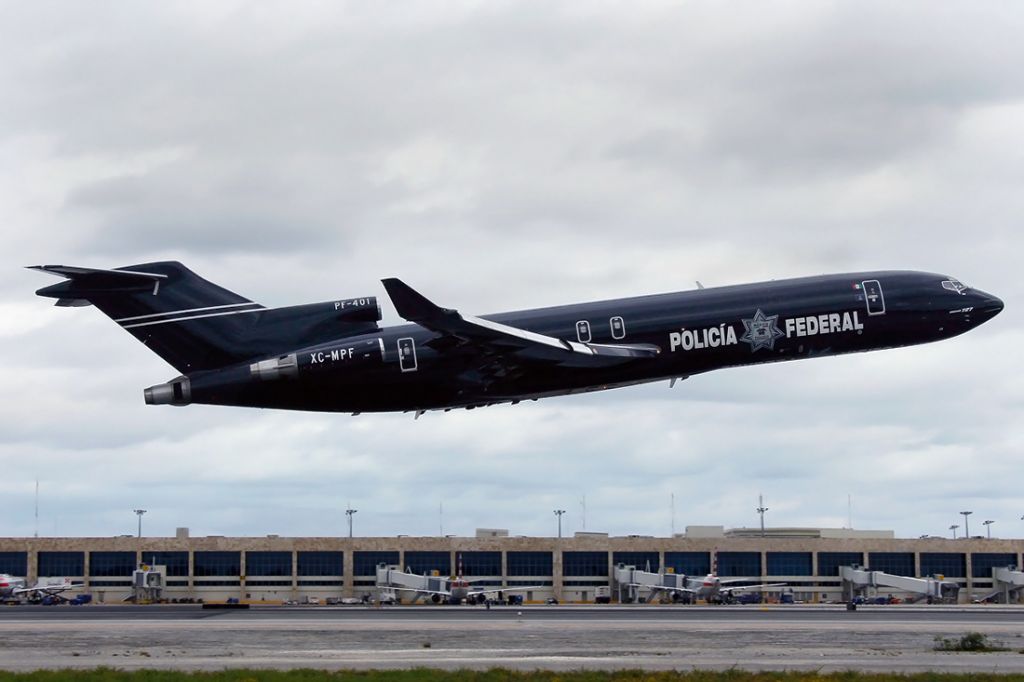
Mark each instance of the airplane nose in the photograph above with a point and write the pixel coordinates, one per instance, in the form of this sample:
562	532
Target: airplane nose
988	305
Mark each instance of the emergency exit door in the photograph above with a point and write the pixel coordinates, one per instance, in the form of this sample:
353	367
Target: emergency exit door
407	354
874	297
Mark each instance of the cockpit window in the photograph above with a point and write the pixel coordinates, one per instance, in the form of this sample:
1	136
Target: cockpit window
954	285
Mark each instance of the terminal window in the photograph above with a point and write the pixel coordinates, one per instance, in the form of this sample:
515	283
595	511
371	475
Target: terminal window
982	563
739	564
176	563
14	563
268	563
216	563
365	563
949	564
895	563
829	562
529	563
61	564
480	563
789	563
105	564
585	563
424	563
640	560
688	563
321	563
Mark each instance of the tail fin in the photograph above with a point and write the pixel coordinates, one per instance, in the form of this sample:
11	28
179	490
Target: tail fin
196	325
191	323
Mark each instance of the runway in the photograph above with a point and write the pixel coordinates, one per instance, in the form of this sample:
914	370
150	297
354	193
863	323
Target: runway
887	638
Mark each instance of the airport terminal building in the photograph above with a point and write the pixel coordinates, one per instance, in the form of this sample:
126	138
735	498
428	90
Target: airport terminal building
570	569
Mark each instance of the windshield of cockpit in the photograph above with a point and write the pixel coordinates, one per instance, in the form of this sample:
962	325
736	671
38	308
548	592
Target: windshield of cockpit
954	285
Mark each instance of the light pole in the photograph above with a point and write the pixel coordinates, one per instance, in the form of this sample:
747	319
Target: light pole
988	528
558	513
761	509
350	512
967	528
953	528
140	512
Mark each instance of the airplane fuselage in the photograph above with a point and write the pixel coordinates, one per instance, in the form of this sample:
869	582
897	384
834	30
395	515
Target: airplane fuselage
412	368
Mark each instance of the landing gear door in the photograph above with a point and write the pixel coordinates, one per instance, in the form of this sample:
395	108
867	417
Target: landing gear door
873	297
407	354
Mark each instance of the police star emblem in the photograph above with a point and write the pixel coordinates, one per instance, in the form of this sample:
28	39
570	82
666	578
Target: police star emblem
761	331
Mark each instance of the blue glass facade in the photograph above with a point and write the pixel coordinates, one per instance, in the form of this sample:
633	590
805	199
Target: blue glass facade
14	563
424	563
731	564
480	563
176	562
61	564
529	563
981	563
365	563
268	563
896	563
948	564
322	563
829	562
790	563
689	563
641	560
585	563
106	564
217	563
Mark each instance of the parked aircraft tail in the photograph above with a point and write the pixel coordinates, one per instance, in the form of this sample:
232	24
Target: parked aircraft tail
194	324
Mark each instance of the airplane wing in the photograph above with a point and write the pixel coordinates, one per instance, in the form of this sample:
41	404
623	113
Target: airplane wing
492	590
666	588
743	588
495	336
49	589
442	593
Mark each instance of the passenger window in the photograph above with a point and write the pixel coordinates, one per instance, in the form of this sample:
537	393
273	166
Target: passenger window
583	331
618	327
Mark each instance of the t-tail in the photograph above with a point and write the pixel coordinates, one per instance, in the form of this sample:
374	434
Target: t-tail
196	325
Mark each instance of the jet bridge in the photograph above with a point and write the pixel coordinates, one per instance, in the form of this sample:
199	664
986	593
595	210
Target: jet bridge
1007	583
631	582
857	580
389	577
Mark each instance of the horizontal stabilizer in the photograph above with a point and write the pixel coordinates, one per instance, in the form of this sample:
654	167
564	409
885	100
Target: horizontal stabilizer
84	281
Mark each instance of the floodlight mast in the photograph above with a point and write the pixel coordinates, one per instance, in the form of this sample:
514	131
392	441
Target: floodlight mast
967	527
558	513
761	509
140	512
953	528
350	512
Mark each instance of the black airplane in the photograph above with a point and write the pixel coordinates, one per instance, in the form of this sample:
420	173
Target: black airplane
335	357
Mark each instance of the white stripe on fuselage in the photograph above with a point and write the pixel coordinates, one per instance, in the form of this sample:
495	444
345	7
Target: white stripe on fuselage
195	317
181	312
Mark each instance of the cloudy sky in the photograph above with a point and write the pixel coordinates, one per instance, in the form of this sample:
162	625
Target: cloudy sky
503	155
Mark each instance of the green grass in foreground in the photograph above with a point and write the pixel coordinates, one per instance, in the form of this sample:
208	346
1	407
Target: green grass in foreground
494	675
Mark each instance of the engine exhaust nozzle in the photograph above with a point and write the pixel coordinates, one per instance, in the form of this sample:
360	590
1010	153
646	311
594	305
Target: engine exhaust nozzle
176	392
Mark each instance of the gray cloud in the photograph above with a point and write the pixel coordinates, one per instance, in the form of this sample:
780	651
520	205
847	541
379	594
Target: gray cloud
507	156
